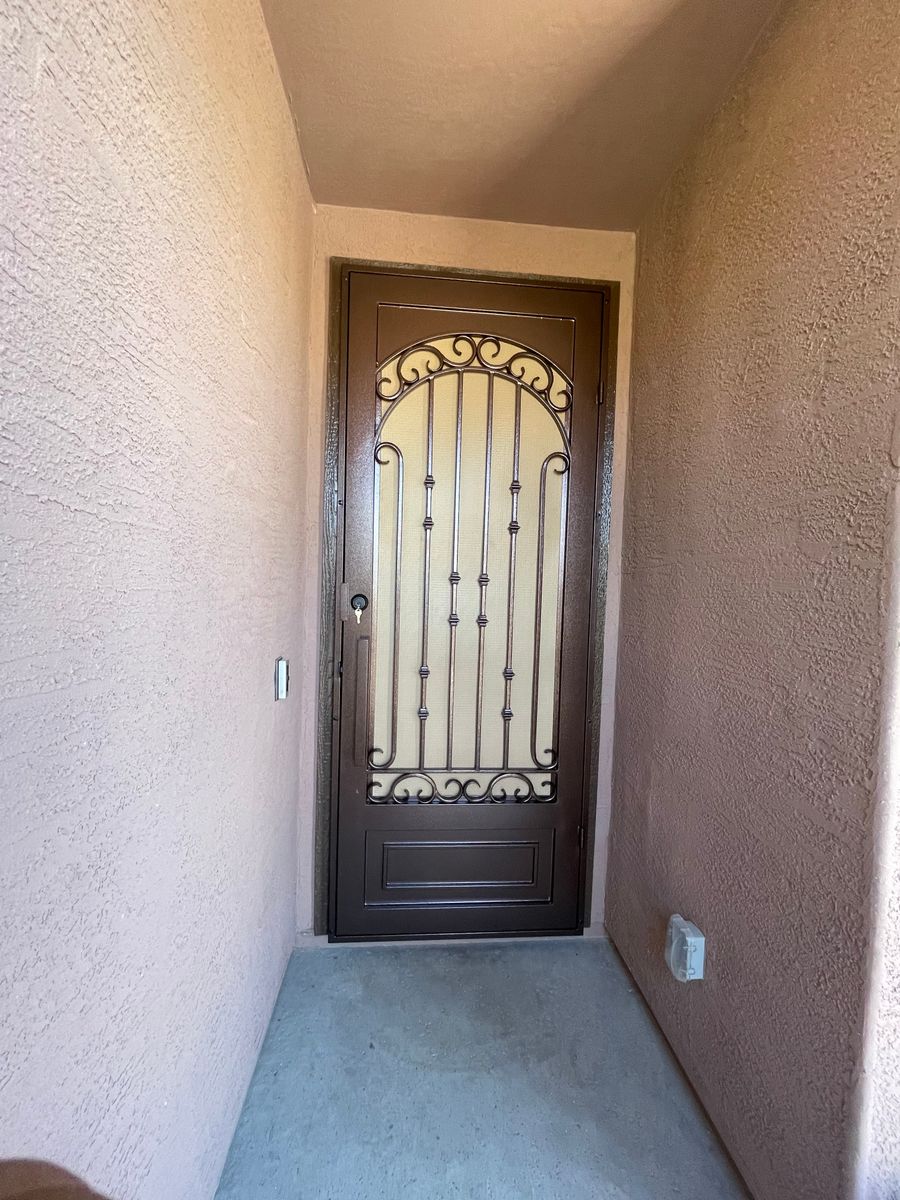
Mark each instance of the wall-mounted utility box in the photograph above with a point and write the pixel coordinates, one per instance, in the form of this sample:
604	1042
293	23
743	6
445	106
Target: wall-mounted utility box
685	949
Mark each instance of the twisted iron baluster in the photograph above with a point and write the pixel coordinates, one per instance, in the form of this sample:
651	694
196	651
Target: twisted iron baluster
453	619
484	579
514	488
427	525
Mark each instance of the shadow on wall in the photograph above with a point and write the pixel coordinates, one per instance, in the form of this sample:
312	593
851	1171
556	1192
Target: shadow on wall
25	1179
676	56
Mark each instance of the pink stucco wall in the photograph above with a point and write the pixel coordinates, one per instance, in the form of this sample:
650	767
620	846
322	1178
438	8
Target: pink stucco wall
155	243
878	1144
753	638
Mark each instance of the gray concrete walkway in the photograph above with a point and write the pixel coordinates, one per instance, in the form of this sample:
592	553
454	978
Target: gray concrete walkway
482	1072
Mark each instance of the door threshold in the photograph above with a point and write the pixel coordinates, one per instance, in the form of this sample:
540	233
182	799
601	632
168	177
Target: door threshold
318	941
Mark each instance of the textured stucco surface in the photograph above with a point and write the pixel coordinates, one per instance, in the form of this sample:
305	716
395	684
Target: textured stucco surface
155	240
878	1165
555	112
765	382
455	242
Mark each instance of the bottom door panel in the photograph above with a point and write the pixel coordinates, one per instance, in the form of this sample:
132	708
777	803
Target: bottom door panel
493	867
415	871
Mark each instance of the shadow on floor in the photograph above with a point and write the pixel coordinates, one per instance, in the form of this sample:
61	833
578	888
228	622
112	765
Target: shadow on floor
473	1071
26	1179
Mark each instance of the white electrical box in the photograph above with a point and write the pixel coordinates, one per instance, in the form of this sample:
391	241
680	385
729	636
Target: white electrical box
685	949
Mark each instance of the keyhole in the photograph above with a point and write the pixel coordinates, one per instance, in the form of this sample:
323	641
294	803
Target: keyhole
359	604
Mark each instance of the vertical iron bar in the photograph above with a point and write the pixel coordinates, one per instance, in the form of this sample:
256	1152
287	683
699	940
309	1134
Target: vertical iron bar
395	654
560	598
361	705
484	579
514	488
453	619
539	601
427	525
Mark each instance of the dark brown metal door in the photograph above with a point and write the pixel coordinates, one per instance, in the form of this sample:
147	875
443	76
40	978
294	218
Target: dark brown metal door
471	428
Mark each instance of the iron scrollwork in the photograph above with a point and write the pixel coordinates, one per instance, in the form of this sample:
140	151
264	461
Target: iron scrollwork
478	352
419	781
422	787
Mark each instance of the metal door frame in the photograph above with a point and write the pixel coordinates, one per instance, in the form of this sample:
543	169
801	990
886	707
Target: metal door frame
332	553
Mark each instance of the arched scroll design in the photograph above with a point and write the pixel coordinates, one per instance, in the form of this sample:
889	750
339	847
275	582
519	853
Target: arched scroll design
474	352
472	458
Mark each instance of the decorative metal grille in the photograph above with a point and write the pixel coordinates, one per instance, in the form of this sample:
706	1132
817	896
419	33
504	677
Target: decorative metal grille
460	713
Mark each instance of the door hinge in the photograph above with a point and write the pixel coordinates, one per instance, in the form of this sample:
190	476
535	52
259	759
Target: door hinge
600	392
340	670
580	837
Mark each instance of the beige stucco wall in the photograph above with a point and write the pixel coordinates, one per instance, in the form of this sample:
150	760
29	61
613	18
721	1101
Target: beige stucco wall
155	241
748	762
878	1151
377	235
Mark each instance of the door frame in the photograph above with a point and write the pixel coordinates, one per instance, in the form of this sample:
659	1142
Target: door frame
329	683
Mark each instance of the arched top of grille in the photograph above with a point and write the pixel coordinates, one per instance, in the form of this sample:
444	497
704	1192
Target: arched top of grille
486	353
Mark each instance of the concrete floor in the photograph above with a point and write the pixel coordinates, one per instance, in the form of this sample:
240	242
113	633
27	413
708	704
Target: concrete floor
488	1072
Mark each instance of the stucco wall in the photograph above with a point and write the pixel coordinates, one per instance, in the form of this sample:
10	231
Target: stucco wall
878	1158
753	633
458	242
155	242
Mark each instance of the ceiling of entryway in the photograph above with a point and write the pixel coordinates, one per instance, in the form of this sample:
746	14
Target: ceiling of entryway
559	112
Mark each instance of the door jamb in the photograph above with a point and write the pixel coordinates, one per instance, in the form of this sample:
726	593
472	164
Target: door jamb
328	707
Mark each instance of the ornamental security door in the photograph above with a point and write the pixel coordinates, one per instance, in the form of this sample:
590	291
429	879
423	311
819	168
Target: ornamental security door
471	422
